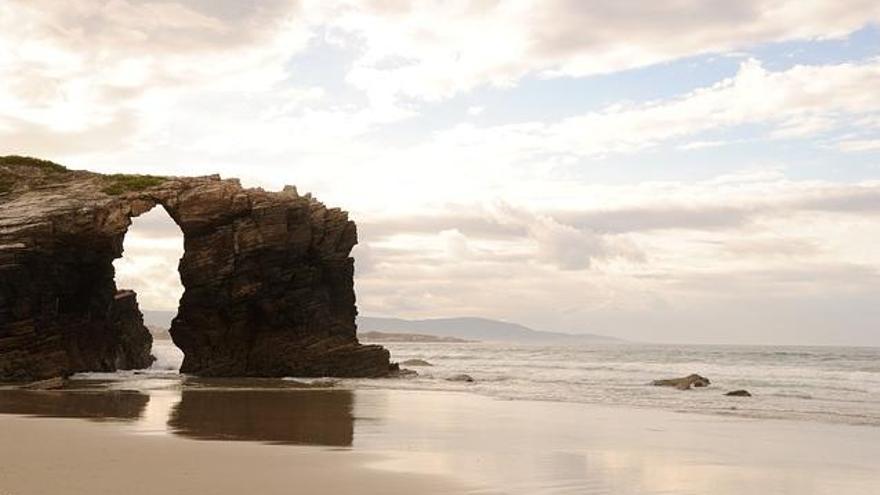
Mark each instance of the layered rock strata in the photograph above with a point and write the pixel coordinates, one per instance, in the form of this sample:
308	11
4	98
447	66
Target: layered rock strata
267	276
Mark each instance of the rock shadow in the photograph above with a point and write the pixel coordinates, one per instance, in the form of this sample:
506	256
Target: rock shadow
113	405
289	417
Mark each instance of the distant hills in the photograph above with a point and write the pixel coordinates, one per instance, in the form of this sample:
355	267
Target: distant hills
407	337
470	328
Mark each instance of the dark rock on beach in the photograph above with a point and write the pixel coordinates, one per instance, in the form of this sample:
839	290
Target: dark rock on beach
683	383
460	378
268	277
738	393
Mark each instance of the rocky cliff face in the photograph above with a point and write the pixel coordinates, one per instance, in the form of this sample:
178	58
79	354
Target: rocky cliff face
267	276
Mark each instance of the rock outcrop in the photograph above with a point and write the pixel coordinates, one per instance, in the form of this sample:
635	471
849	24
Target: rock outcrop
738	393
683	383
267	276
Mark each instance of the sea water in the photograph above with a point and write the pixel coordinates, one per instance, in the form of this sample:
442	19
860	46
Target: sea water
826	384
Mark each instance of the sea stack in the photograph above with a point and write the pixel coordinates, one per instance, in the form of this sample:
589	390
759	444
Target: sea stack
267	276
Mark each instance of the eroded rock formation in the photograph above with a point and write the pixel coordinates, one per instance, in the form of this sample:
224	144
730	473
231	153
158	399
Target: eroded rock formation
268	277
683	383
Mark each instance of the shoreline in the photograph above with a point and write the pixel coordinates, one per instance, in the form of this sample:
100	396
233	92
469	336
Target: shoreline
388	441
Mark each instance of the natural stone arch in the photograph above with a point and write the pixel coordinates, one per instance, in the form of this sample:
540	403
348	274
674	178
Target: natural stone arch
267	277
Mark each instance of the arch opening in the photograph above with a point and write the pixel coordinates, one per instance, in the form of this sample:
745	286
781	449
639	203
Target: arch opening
152	249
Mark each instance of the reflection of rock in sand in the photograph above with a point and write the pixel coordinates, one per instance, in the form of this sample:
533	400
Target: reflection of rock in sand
313	417
113	404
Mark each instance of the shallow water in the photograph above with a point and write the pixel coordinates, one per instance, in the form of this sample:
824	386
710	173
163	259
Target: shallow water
825	384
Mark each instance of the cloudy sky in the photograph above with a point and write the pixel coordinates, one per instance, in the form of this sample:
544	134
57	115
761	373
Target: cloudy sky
680	170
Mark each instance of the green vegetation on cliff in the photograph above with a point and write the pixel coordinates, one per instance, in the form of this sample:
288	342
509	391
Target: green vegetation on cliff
123	183
46	166
15	168
26	172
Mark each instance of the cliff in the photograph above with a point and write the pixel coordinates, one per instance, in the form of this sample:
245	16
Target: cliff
267	276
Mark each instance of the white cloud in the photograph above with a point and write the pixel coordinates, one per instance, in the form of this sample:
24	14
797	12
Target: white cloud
859	145
151	251
800	101
791	248
698	145
435	49
80	67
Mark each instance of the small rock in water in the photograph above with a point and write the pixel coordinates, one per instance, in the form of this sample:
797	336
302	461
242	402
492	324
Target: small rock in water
683	383
738	393
416	362
460	378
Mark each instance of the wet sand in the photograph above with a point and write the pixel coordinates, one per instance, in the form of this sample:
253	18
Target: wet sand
218	440
62	456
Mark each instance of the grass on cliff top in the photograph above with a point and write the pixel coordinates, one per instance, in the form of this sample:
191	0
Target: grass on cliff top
27	161
123	183
14	168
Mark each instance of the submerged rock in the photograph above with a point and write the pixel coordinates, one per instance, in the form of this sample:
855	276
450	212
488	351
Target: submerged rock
268	277
460	378
683	383
738	393
416	362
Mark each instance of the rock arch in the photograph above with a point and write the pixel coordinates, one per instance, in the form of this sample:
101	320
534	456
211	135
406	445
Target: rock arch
267	276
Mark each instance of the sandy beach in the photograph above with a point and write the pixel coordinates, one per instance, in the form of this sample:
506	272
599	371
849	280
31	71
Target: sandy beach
231	441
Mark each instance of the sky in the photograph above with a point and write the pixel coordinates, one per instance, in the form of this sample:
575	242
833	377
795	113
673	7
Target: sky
691	171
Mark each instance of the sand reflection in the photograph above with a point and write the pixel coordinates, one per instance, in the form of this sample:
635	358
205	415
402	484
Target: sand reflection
313	417
121	405
272	412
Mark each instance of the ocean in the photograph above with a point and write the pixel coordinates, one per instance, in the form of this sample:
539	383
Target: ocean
824	384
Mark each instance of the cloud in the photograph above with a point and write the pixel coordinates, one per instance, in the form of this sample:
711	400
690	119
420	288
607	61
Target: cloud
571	249
78	68
221	69
698	145
712	205
476	110
433	50
152	249
859	145
664	267
24	137
798	102
856	198
769	245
